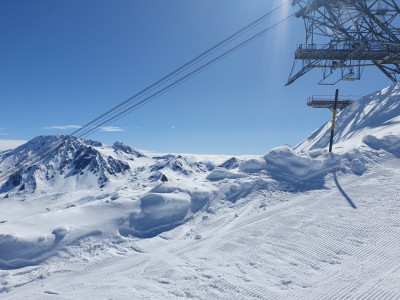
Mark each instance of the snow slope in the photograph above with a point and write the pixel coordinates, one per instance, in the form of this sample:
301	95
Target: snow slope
373	116
295	224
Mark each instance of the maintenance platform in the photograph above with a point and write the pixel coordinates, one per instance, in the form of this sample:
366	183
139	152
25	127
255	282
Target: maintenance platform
323	101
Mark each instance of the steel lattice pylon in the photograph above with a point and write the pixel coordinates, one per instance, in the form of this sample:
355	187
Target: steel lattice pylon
344	36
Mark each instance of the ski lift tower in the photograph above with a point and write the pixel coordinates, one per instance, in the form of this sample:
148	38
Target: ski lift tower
344	36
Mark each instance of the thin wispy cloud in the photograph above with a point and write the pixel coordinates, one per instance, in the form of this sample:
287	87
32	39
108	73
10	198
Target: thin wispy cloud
2	133
69	127
111	129
63	127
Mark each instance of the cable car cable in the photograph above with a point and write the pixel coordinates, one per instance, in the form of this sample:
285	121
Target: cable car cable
86	131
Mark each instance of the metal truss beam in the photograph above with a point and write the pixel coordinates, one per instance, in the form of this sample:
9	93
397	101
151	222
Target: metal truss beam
341	26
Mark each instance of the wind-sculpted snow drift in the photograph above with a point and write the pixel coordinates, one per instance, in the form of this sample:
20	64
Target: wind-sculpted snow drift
17	253
87	192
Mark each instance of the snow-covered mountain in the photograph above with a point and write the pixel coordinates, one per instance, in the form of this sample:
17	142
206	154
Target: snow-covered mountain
73	164
93	221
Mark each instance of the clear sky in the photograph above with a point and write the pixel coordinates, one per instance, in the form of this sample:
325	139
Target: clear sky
63	63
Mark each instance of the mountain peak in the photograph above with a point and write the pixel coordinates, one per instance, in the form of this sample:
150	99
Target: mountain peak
121	147
65	159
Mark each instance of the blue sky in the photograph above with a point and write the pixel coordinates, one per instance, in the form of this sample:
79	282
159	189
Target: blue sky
63	63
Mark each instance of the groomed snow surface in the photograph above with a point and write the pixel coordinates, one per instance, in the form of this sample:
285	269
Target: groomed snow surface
112	222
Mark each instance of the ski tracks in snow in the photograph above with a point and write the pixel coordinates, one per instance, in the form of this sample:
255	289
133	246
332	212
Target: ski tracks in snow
309	245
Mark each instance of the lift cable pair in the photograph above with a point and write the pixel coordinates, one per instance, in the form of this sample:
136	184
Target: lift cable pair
143	97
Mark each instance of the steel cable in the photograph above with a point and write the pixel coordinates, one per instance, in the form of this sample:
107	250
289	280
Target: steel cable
119	111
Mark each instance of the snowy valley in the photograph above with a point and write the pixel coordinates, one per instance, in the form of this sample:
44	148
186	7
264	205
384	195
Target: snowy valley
112	222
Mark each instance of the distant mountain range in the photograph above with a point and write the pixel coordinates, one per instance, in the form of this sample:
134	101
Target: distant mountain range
83	164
